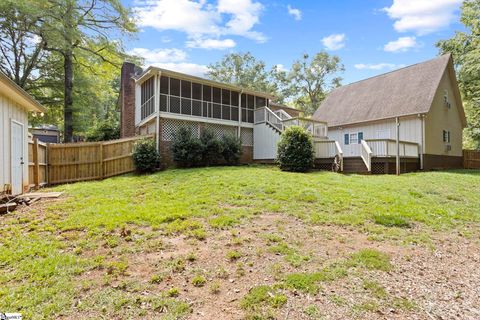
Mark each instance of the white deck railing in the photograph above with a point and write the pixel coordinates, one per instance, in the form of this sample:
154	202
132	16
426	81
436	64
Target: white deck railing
318	129
328	149
366	154
264	114
388	148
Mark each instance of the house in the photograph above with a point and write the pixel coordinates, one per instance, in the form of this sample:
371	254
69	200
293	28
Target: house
46	133
15	105
419	104
160	101
404	120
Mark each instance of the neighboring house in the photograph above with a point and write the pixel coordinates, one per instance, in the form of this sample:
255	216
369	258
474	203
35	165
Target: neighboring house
15	104
46	133
161	101
423	99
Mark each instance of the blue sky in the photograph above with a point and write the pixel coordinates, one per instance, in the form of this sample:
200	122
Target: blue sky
370	37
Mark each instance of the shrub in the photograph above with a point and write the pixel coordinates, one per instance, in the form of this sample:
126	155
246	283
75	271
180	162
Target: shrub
295	150
145	156
186	149
212	147
104	131
231	149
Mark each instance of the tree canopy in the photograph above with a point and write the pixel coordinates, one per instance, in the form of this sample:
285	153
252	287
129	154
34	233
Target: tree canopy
305	85
245	71
67	54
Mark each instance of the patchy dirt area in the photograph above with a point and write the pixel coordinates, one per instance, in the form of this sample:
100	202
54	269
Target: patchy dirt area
440	281
247	243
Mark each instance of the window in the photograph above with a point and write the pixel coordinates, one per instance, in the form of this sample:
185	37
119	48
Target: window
446	136
353	138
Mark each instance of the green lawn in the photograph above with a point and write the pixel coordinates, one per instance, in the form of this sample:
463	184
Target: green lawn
49	251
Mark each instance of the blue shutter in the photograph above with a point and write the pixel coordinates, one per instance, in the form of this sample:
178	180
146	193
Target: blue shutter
360	137
346	141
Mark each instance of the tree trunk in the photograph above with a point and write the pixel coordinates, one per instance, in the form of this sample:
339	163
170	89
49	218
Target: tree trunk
68	99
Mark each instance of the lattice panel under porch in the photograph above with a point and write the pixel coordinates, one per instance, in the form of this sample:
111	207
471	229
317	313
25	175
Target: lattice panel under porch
171	126
220	130
246	135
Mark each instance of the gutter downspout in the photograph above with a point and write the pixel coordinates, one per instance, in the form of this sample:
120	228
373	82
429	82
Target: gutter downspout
397	158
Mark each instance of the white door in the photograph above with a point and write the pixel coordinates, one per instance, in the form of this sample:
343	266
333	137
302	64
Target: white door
17	160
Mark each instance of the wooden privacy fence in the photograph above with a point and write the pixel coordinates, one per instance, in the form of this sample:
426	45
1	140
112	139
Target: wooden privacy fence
72	162
471	159
37	165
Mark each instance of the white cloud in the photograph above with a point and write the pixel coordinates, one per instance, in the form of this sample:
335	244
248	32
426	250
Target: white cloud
172	59
211	43
334	41
295	13
378	66
402	44
200	18
422	16
280	68
244	15
159	55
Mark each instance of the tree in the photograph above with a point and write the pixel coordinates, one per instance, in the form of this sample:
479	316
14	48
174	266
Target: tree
76	33
464	46
245	71
21	50
310	79
80	27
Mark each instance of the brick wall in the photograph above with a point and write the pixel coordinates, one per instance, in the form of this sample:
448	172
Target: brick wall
127	100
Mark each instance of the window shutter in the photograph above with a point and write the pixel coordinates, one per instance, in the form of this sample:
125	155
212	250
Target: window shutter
360	137
346	141
448	136
444	136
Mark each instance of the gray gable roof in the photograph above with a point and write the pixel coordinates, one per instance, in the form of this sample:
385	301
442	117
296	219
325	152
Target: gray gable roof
406	91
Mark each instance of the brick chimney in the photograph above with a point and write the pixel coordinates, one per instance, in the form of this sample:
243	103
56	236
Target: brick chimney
127	100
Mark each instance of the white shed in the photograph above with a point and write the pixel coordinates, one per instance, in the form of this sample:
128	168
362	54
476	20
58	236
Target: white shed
15	104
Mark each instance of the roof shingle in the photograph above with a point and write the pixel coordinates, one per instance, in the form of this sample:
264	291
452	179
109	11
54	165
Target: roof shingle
406	91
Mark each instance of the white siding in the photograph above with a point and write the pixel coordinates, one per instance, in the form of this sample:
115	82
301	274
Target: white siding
410	130
9	111
265	140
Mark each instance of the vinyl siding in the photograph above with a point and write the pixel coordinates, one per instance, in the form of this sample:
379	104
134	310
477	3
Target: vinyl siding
9	110
441	118
410	130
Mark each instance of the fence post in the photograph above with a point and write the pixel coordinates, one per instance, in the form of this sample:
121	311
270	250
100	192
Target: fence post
101	160
36	165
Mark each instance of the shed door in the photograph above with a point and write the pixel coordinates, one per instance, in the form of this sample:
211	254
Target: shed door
17	157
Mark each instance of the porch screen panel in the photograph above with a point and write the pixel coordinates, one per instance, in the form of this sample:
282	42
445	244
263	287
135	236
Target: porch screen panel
164	91
244	107
146	98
